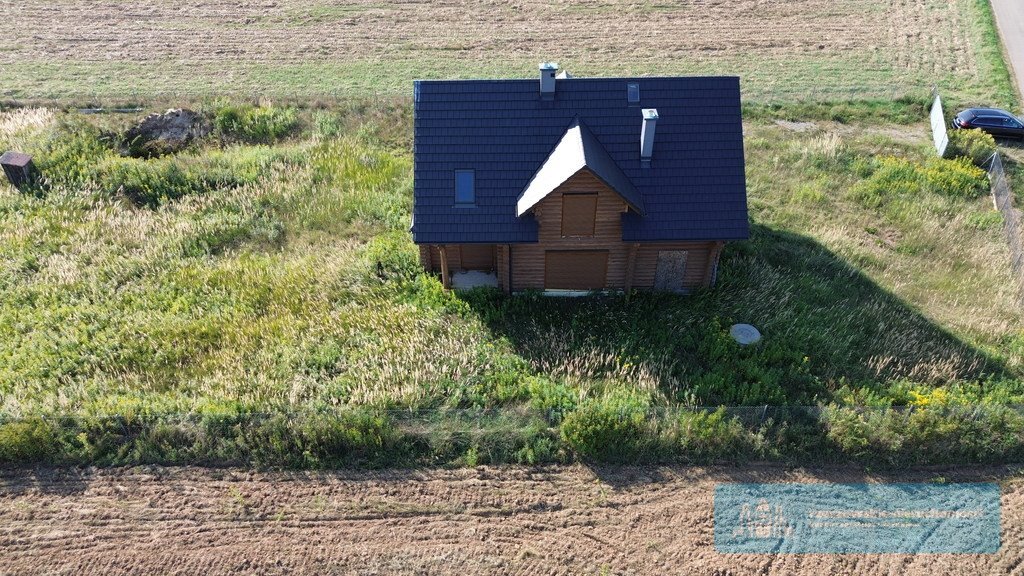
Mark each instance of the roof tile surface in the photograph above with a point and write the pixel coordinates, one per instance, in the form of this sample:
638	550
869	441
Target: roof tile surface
694	189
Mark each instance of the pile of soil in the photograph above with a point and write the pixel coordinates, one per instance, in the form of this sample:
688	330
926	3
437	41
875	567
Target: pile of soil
166	133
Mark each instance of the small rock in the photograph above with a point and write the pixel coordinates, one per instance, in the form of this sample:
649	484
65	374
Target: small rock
166	133
745	334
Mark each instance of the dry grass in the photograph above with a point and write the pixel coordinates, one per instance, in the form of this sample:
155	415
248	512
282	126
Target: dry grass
782	49
948	260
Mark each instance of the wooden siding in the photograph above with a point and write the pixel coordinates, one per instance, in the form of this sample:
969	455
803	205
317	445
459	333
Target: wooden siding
491	257
460	257
528	260
697	254
454	257
575	269
477	256
502	265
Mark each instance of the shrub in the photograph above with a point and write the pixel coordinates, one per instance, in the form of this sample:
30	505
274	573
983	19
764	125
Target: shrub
891	177
148	182
27	441
930	434
356	182
256	125
958	178
391	256
809	193
900	178
331	440
985	220
553	399
975	145
614	428
328	124
721	372
705	436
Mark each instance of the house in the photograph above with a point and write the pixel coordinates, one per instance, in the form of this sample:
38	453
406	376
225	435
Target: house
572	185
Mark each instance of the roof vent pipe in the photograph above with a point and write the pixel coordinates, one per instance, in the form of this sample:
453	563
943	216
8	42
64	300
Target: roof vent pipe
547	77
647	133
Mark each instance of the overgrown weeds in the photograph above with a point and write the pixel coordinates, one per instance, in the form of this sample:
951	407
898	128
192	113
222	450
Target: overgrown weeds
262	303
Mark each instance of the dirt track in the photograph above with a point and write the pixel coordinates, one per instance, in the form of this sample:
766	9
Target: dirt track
566	520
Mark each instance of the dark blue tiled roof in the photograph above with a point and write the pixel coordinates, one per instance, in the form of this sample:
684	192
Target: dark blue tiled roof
694	189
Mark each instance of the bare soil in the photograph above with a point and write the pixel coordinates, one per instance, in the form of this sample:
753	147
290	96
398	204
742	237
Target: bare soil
555	520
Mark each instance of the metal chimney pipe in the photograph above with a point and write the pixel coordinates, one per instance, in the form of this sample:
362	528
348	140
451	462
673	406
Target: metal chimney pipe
650	116
547	77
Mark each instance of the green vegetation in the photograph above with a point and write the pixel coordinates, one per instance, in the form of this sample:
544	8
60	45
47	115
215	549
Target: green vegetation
993	69
973	144
254	124
78	157
896	180
902	110
256	299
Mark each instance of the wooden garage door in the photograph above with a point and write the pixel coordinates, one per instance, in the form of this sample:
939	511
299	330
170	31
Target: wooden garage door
575	269
478	256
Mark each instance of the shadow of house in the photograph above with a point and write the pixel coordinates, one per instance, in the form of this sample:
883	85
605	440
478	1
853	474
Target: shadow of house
824	323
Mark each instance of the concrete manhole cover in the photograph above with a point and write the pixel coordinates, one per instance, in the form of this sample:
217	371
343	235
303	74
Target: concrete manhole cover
744	334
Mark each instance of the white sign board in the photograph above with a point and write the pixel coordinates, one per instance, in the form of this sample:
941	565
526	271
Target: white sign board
939	126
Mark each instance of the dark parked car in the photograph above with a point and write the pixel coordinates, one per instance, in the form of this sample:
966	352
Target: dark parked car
999	123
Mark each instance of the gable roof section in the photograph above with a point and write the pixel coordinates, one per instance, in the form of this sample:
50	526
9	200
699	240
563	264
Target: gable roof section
695	188
578	149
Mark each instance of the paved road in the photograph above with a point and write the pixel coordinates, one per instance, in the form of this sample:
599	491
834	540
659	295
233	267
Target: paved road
1010	19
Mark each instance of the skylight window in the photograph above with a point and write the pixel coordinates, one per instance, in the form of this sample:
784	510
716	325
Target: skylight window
633	93
465	192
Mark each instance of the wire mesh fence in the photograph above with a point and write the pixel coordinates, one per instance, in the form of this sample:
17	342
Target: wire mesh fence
1002	196
385	438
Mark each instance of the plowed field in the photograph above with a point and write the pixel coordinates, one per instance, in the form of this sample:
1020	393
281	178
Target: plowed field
557	520
781	48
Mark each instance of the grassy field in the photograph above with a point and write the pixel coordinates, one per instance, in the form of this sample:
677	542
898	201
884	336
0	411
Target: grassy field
269	271
257	298
803	49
